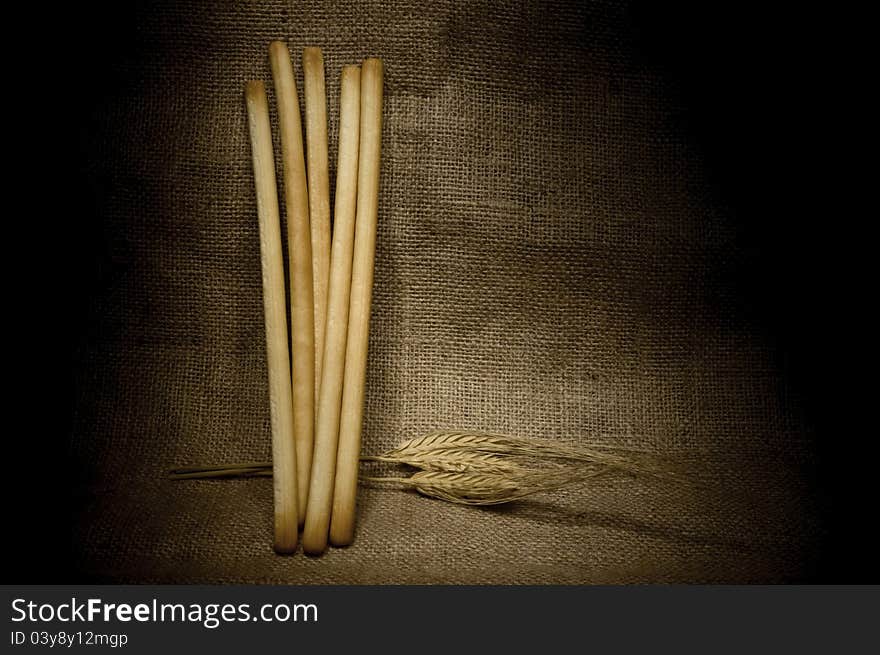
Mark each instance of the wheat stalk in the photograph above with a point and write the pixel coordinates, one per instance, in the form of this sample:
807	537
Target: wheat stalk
243	469
480	468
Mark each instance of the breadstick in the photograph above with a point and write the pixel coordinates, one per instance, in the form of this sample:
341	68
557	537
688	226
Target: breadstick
319	193
327	429
345	491
280	405
302	317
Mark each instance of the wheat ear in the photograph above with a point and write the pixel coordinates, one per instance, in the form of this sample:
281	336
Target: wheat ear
429	447
482	488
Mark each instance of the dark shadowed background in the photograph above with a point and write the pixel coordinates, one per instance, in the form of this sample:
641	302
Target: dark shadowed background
595	223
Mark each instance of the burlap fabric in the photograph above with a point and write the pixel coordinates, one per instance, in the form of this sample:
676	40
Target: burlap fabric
548	261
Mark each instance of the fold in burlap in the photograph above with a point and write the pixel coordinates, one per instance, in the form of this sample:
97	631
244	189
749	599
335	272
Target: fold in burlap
550	262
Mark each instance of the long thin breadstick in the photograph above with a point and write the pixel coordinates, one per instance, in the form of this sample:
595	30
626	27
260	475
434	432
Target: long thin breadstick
327	430
280	406
344	495
302	307
319	193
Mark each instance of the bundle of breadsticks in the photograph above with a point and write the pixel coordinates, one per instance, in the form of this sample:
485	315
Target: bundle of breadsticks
316	403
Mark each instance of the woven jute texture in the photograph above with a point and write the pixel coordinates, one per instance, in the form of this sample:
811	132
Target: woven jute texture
548	264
